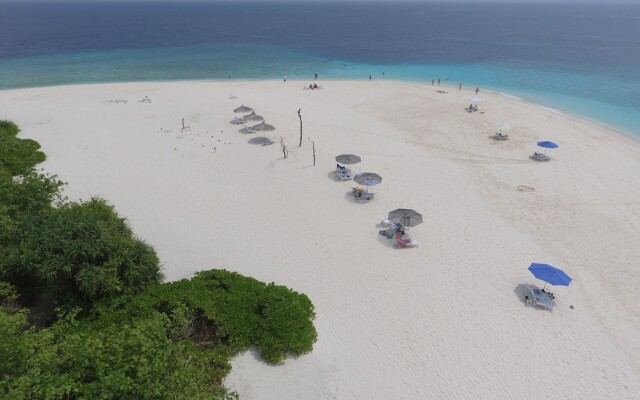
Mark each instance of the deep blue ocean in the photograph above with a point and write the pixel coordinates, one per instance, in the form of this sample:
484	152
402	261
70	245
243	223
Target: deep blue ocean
583	59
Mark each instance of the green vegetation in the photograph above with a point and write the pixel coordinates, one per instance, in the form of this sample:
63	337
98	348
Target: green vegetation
17	156
118	333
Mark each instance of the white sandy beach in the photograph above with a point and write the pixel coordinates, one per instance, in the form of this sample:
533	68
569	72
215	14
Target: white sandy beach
444	321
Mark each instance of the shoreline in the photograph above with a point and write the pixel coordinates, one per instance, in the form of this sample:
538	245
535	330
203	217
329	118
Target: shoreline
604	125
447	318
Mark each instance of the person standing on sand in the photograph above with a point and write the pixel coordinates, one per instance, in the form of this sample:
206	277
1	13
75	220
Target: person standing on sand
432	82
285	78
477	89
438	81
315	77
369	77
460	86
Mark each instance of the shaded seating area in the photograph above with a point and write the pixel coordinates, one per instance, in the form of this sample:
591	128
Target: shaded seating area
396	226
405	242
543	156
472	108
502	130
341	168
362	194
344	175
540	157
537	297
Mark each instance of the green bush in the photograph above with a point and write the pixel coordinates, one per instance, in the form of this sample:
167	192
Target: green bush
77	253
174	340
17	156
242	311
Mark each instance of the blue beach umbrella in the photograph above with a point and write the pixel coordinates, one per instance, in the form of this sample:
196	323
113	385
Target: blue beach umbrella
550	274
547	145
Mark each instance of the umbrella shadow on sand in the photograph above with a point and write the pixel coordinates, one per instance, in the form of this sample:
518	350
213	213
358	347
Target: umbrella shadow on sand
519	291
261	141
352	199
334	176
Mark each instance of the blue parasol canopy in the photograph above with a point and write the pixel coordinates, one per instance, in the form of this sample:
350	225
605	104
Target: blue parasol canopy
547	145
550	274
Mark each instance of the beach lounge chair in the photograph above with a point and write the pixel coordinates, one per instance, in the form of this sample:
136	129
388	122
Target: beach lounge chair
536	297
340	168
501	136
238	120
405	242
540	157
344	176
361	194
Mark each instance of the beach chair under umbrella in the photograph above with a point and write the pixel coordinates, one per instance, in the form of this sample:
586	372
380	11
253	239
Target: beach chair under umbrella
368	179
502	131
546	145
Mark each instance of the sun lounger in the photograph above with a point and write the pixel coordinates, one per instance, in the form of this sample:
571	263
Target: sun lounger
361	194
501	136
405	242
344	176
540	157
340	168
536	297
238	120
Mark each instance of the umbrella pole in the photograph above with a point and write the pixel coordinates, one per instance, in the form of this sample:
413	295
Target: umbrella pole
545	286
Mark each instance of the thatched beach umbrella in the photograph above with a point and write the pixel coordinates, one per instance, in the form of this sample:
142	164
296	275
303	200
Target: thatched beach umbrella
405	217
264	127
253	117
348	159
243	109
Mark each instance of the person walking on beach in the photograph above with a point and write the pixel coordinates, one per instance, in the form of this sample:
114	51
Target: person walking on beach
315	77
369	77
460	86
477	89
432	82
438	81
285	78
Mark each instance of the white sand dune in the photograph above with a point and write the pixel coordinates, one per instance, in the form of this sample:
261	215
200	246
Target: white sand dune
444	321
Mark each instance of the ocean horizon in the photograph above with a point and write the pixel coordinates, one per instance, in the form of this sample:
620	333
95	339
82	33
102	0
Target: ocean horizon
579	59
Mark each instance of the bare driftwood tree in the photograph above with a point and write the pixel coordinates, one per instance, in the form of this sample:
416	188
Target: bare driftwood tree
285	152
300	116
313	146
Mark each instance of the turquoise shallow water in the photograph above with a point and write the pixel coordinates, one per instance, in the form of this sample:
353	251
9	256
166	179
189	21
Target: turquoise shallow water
611	100
583	60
